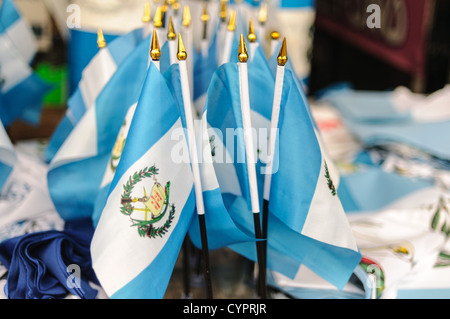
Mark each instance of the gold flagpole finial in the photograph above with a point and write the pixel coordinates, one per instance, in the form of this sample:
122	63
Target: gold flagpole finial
262	16
157	19
165	6
251	32
223	11
155	51
181	55
243	55
205	17
101	43
171	35
186	16
147	14
275	35
282	56
176	6
232	23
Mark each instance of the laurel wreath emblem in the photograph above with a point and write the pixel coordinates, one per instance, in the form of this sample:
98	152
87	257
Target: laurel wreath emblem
144	228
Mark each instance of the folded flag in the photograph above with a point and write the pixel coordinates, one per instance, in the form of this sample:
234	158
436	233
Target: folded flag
76	171
151	200
48	265
399	118
22	90
372	188
94	77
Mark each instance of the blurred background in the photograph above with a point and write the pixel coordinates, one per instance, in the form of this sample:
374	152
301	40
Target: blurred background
329	42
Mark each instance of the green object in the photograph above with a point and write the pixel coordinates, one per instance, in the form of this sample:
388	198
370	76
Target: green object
56	76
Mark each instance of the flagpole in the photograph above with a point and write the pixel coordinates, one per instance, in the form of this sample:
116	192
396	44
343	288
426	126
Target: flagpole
155	52
171	37
187	34
251	161
222	26
274	41
262	19
282	59
228	41
204	41
158	22
182	56
146	19
252	37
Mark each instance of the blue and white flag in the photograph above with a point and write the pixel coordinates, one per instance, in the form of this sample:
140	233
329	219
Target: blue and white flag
76	171
307	227
303	204
22	90
18	30
94	78
8	156
222	150
397	118
150	203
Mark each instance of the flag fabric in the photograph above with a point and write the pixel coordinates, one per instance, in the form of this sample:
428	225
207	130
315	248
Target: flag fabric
76	171
203	68
22	90
303	196
8	156
18	31
94	78
40	264
223	164
399	118
308	217
151	200
120	143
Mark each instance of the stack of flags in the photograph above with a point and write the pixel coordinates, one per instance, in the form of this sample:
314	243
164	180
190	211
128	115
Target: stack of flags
195	127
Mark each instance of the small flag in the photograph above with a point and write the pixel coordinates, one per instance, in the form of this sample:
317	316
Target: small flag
94	78
76	171
151	201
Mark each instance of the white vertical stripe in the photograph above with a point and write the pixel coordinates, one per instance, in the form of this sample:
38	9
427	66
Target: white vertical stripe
248	136
95	76
81	142
279	81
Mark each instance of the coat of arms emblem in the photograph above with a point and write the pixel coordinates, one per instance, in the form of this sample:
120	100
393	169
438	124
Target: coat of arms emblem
148	207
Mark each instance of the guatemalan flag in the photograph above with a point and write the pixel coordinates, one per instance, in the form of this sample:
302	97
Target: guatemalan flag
76	171
150	203
94	78
223	166
116	152
22	90
306	220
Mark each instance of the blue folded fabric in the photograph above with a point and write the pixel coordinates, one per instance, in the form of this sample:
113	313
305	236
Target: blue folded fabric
366	106
40	264
373	189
